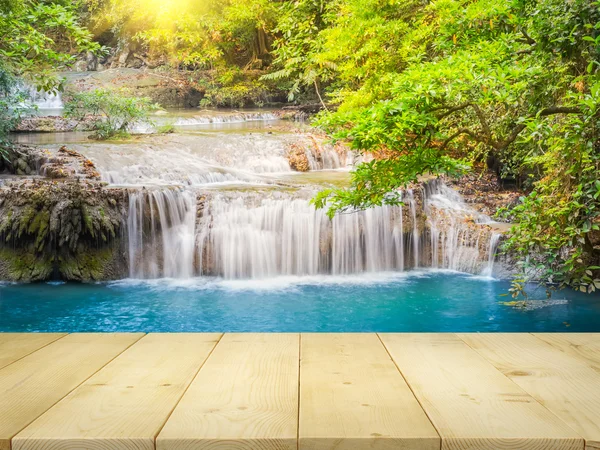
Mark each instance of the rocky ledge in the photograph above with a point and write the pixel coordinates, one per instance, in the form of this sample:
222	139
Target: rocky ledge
68	229
57	219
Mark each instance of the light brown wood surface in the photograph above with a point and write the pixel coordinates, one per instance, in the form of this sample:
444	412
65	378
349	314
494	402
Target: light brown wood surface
245	397
562	382
125	404
471	404
33	384
352	397
14	346
248	391
583	345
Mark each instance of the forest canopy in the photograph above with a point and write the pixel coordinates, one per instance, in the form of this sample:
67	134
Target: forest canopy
439	87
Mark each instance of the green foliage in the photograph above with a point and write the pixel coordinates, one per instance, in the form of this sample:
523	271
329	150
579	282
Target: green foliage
112	113
38	38
235	88
13	103
194	35
433	87
298	49
559	222
166	129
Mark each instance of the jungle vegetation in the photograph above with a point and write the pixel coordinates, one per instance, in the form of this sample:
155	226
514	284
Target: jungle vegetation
428	86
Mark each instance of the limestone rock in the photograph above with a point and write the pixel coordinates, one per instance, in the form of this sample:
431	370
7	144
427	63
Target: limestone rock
298	158
69	227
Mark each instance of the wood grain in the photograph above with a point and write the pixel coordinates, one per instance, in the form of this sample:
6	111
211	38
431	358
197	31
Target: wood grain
14	346
125	404
563	383
245	397
472	404
31	385
583	345
353	397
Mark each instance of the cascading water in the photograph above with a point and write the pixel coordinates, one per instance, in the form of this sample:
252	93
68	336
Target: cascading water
250	236
227	205
46	100
210	159
204	119
161	233
458	238
410	197
493	246
253	238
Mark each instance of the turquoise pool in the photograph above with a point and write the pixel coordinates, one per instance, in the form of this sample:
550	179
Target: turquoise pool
392	302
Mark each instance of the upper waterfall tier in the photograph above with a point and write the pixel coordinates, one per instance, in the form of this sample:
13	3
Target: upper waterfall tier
207	158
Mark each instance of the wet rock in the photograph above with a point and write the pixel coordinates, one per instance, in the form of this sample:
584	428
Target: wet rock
298	158
53	124
71	228
482	191
22	167
54	170
27	160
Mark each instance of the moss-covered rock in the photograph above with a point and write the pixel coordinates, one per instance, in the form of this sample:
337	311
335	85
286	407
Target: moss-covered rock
66	229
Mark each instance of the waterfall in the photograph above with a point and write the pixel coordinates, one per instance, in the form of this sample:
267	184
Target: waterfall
493	246
455	229
415	234
211	118
256	235
46	100
161	233
254	238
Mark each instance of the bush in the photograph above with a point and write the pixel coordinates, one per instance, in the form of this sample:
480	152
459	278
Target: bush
13	103
112	113
235	88
165	129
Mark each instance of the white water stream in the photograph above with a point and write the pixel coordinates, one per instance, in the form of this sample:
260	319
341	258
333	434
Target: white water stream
227	204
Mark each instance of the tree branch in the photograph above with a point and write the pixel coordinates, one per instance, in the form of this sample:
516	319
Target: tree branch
486	137
451	109
460	132
482	120
528	38
319	95
543	113
559	110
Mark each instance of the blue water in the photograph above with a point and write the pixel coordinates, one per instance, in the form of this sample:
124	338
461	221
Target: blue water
414	301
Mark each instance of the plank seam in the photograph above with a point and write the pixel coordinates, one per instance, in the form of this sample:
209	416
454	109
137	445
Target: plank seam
78	386
521	387
33	351
411	390
187	388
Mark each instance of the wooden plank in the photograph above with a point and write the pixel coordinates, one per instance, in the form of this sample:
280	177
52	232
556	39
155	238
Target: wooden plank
583	345
353	397
472	404
125	404
14	346
30	386
245	397
563	383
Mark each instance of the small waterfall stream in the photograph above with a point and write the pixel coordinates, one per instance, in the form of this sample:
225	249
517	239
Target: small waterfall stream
161	233
45	100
